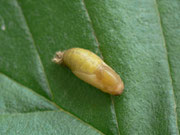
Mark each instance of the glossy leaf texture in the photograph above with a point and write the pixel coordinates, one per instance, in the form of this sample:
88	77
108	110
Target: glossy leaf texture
138	39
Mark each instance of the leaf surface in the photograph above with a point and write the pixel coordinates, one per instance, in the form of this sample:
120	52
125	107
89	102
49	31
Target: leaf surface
138	39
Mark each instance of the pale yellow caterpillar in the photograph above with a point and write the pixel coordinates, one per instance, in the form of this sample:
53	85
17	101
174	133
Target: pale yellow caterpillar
92	69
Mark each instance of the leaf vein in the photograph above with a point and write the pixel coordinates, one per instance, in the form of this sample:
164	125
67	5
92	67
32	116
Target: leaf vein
98	45
33	43
167	57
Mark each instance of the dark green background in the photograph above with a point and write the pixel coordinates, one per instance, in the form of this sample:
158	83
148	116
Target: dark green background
139	39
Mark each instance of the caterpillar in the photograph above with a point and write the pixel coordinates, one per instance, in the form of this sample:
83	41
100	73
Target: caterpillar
92	69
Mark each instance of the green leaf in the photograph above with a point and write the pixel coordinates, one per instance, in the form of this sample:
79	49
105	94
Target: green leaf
138	39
